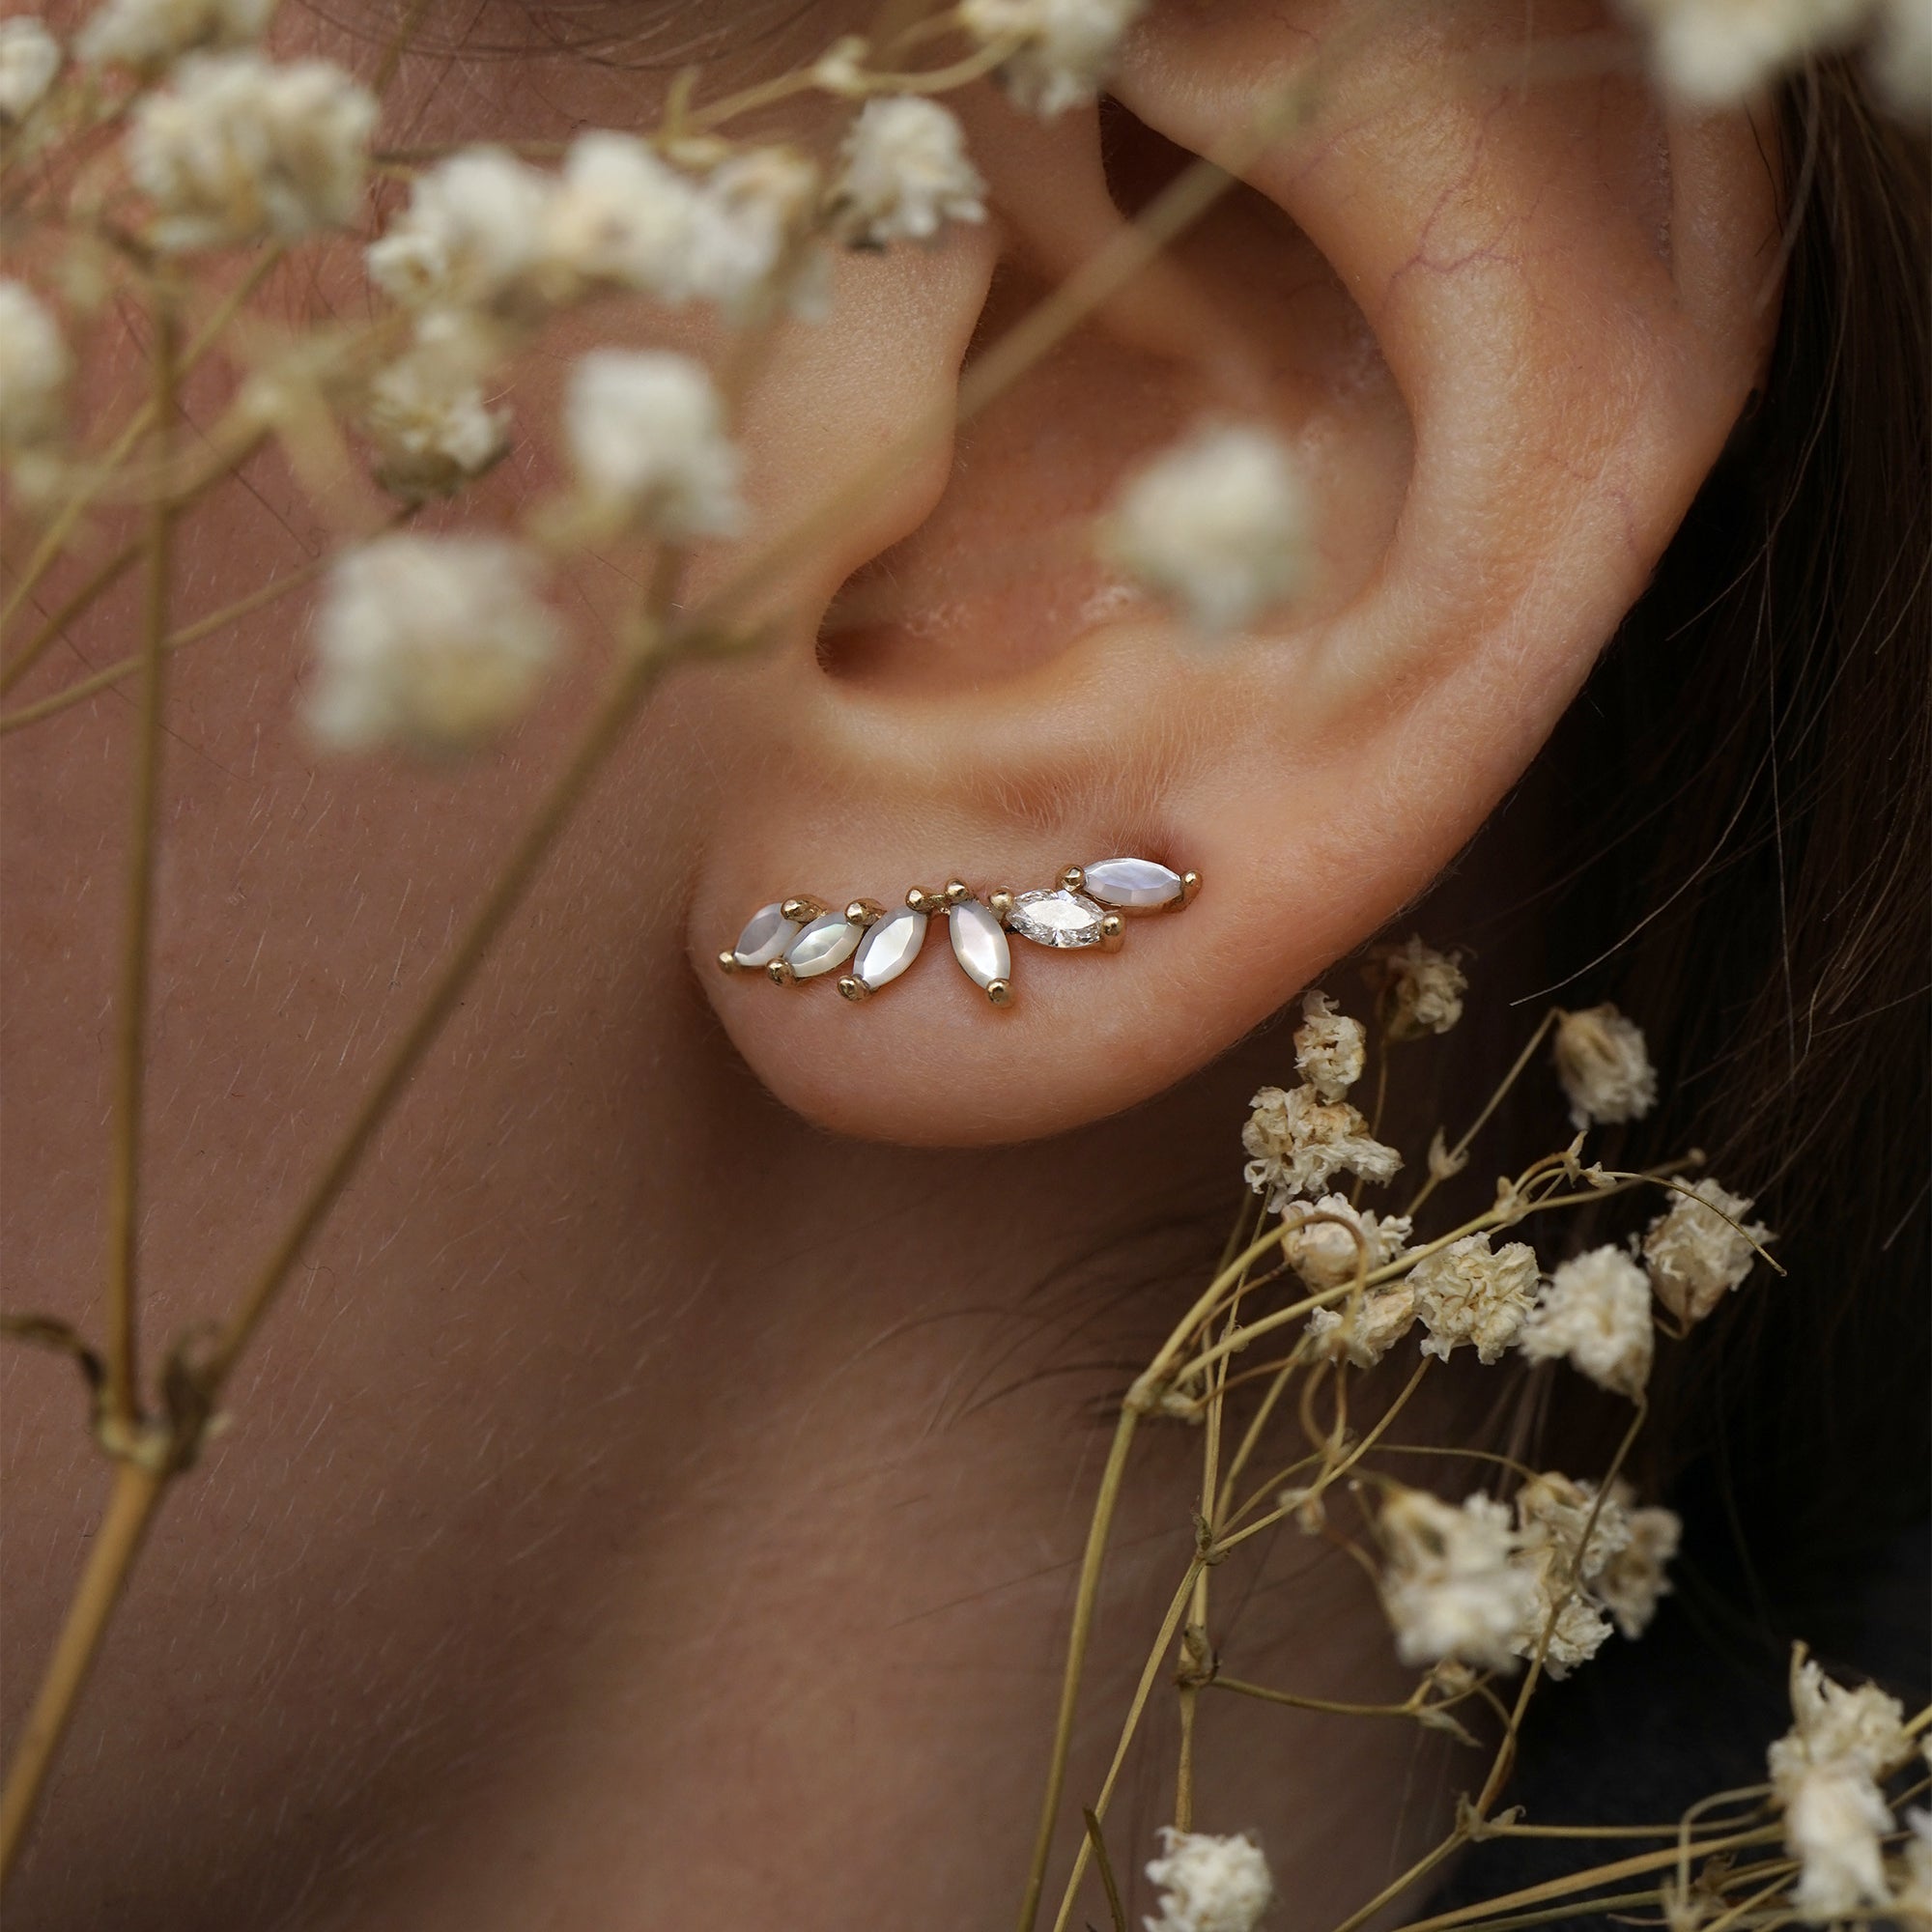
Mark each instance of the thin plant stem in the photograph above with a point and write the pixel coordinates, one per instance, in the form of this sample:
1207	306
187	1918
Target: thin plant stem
1148	1671
1494	1102
54	538
1194	1635
1243	1688
131	1505
1086	1594
189	634
1105	1867
122	1395
1636	1866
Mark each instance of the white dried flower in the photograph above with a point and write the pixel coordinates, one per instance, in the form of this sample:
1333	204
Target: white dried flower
237	147
1834	1821
1837	1728
1715	53
1595	1313
1605	1069
432	643
35	369
840	69
144	33
1466	1294
1209	1884
646	433
1452	1587
1902	65
29	59
472	237
1331	1049
622	218
1326	1254
1912	1899
1218	524
427	415
1552	1514
1630	1582
750	243
1424	988
1299	1143
1066	47
1364	1328
904	174
1695	1253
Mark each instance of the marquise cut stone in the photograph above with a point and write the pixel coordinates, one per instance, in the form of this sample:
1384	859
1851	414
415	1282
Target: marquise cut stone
890	946
824	943
766	935
979	944
1132	885
1057	917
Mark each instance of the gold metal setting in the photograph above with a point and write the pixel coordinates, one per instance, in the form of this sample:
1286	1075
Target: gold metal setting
1071	915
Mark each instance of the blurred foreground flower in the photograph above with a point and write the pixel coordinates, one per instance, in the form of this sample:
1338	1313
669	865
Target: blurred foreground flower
1209	1884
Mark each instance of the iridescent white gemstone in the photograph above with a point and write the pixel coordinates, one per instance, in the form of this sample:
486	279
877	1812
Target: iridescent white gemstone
765	937
1132	885
824	943
890	946
1057	917
979	945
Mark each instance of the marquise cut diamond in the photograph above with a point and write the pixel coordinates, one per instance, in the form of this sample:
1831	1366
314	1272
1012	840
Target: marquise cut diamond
1057	917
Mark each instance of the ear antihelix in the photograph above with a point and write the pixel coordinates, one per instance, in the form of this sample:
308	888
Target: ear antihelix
796	939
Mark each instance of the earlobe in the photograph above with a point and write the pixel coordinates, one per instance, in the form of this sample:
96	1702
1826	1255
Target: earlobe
1509	330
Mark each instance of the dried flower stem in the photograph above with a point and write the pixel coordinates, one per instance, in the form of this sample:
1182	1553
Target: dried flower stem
1169	1625
1490	1107
1105	1867
131	1504
53	540
122	1395
229	613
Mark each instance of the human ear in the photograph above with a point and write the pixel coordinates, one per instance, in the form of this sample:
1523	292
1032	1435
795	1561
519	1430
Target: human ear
1506	310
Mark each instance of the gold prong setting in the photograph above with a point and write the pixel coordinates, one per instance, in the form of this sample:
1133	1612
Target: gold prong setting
865	945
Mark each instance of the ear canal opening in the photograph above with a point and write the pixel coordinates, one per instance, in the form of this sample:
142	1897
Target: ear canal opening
1137	162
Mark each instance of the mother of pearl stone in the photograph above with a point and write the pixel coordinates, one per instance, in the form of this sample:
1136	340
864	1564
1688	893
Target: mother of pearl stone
824	943
979	945
766	934
890	946
1131	885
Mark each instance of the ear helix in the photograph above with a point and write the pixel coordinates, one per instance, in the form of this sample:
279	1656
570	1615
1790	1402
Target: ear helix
799	938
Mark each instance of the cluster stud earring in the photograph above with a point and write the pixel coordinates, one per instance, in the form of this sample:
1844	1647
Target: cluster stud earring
798	939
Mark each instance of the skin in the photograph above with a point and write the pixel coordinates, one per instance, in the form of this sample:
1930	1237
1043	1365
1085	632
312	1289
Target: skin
658	1497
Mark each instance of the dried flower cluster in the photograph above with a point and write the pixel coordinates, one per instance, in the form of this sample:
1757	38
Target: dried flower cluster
1209	1884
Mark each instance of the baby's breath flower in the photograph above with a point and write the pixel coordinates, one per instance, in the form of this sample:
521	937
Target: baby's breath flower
1838	1727
840	69
1913	1900
1596	1313
1424	987
1209	1884
35	369
427	415
750	242
1326	1254
904	174
144	33
623	219
432	643
472	237
1452	1588
1553	1514
1464	1292
1631	1581
1218	524
1364	1328
1715	53
1329	1047
237	147
1695	1255
29	59
1066	47
646	433
1604	1070
1299	1143
1834	1821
